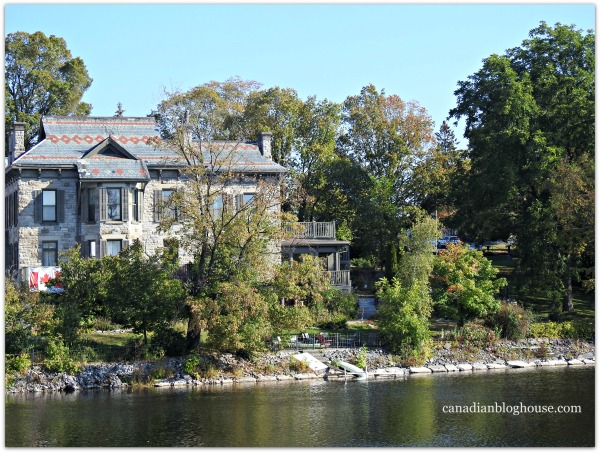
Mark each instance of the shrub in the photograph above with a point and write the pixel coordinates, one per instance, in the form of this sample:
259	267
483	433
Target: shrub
58	357
161	372
567	329
104	324
476	334
190	364
17	364
548	329
342	303
334	322
362	357
512	320
299	366
170	341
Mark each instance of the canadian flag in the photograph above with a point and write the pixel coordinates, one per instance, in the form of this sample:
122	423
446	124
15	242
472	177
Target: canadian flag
39	276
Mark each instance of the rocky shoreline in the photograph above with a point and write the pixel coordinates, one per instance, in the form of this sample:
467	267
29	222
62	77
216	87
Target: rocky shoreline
229	369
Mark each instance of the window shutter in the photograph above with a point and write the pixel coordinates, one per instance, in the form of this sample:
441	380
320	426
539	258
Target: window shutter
102	201
102	248
157	205
139	205
85	249
125	204
84	205
16	220
92	203
125	244
9	208
239	202
60	206
227	202
37	205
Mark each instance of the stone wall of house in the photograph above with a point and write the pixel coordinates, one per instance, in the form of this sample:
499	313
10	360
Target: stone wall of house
30	234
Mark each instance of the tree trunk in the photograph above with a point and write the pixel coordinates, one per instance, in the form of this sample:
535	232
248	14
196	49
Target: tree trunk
568	297
193	330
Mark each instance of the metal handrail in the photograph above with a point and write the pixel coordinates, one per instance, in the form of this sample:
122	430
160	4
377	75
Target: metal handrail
311	230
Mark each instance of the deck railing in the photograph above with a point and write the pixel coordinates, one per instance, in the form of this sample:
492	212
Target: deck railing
312	230
339	278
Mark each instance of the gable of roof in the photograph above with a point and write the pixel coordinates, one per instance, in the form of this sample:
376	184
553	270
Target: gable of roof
109	148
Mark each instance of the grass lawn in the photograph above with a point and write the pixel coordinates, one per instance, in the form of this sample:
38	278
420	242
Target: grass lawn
540	305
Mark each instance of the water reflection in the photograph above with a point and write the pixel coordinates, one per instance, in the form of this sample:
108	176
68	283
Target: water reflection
402	412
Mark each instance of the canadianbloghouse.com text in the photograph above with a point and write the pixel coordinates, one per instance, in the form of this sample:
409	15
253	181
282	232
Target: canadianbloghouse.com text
514	409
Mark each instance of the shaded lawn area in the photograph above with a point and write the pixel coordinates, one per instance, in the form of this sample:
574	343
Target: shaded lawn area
541	306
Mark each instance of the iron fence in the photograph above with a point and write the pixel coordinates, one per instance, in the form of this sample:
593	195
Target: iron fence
324	340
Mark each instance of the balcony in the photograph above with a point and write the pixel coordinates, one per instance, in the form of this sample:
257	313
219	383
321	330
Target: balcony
340	279
311	230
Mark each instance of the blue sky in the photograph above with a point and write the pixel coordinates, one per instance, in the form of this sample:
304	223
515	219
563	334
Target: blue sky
417	51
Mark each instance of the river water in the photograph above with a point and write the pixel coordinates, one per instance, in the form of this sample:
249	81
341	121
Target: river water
411	411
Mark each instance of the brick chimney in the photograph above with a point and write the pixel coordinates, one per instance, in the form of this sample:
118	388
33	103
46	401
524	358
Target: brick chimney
16	141
264	144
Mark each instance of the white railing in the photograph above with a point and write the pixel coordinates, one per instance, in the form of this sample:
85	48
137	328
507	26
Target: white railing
339	278
312	230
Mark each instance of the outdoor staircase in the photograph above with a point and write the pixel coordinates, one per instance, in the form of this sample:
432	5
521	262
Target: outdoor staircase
366	307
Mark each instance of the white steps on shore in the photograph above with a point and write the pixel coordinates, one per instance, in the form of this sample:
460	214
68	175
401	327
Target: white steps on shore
366	307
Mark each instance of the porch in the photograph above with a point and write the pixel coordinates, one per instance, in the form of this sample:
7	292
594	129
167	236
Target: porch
319	239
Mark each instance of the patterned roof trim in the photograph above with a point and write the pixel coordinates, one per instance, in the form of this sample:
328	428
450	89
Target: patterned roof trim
100	169
97	139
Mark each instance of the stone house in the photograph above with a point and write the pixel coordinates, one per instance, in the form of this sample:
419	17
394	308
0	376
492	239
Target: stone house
100	182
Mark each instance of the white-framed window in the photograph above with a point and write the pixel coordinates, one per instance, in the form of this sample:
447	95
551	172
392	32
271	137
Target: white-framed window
170	212
49	253
113	246
217	205
113	203
91	248
48	205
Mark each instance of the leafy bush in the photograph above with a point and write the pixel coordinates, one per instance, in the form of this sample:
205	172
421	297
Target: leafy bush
104	324
58	357
404	319
548	329
567	329
342	302
190	364
475	334
512	320
362	357
170	341
334	322
17	364
299	366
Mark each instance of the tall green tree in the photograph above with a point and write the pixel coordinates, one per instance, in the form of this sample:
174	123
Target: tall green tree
41	78
275	110
435	175
230	241
387	138
405	302
465	283
530	113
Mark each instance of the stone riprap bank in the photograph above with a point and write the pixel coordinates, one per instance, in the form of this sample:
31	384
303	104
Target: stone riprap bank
380	364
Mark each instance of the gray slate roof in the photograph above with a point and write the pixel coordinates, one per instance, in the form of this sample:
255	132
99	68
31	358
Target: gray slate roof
65	141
